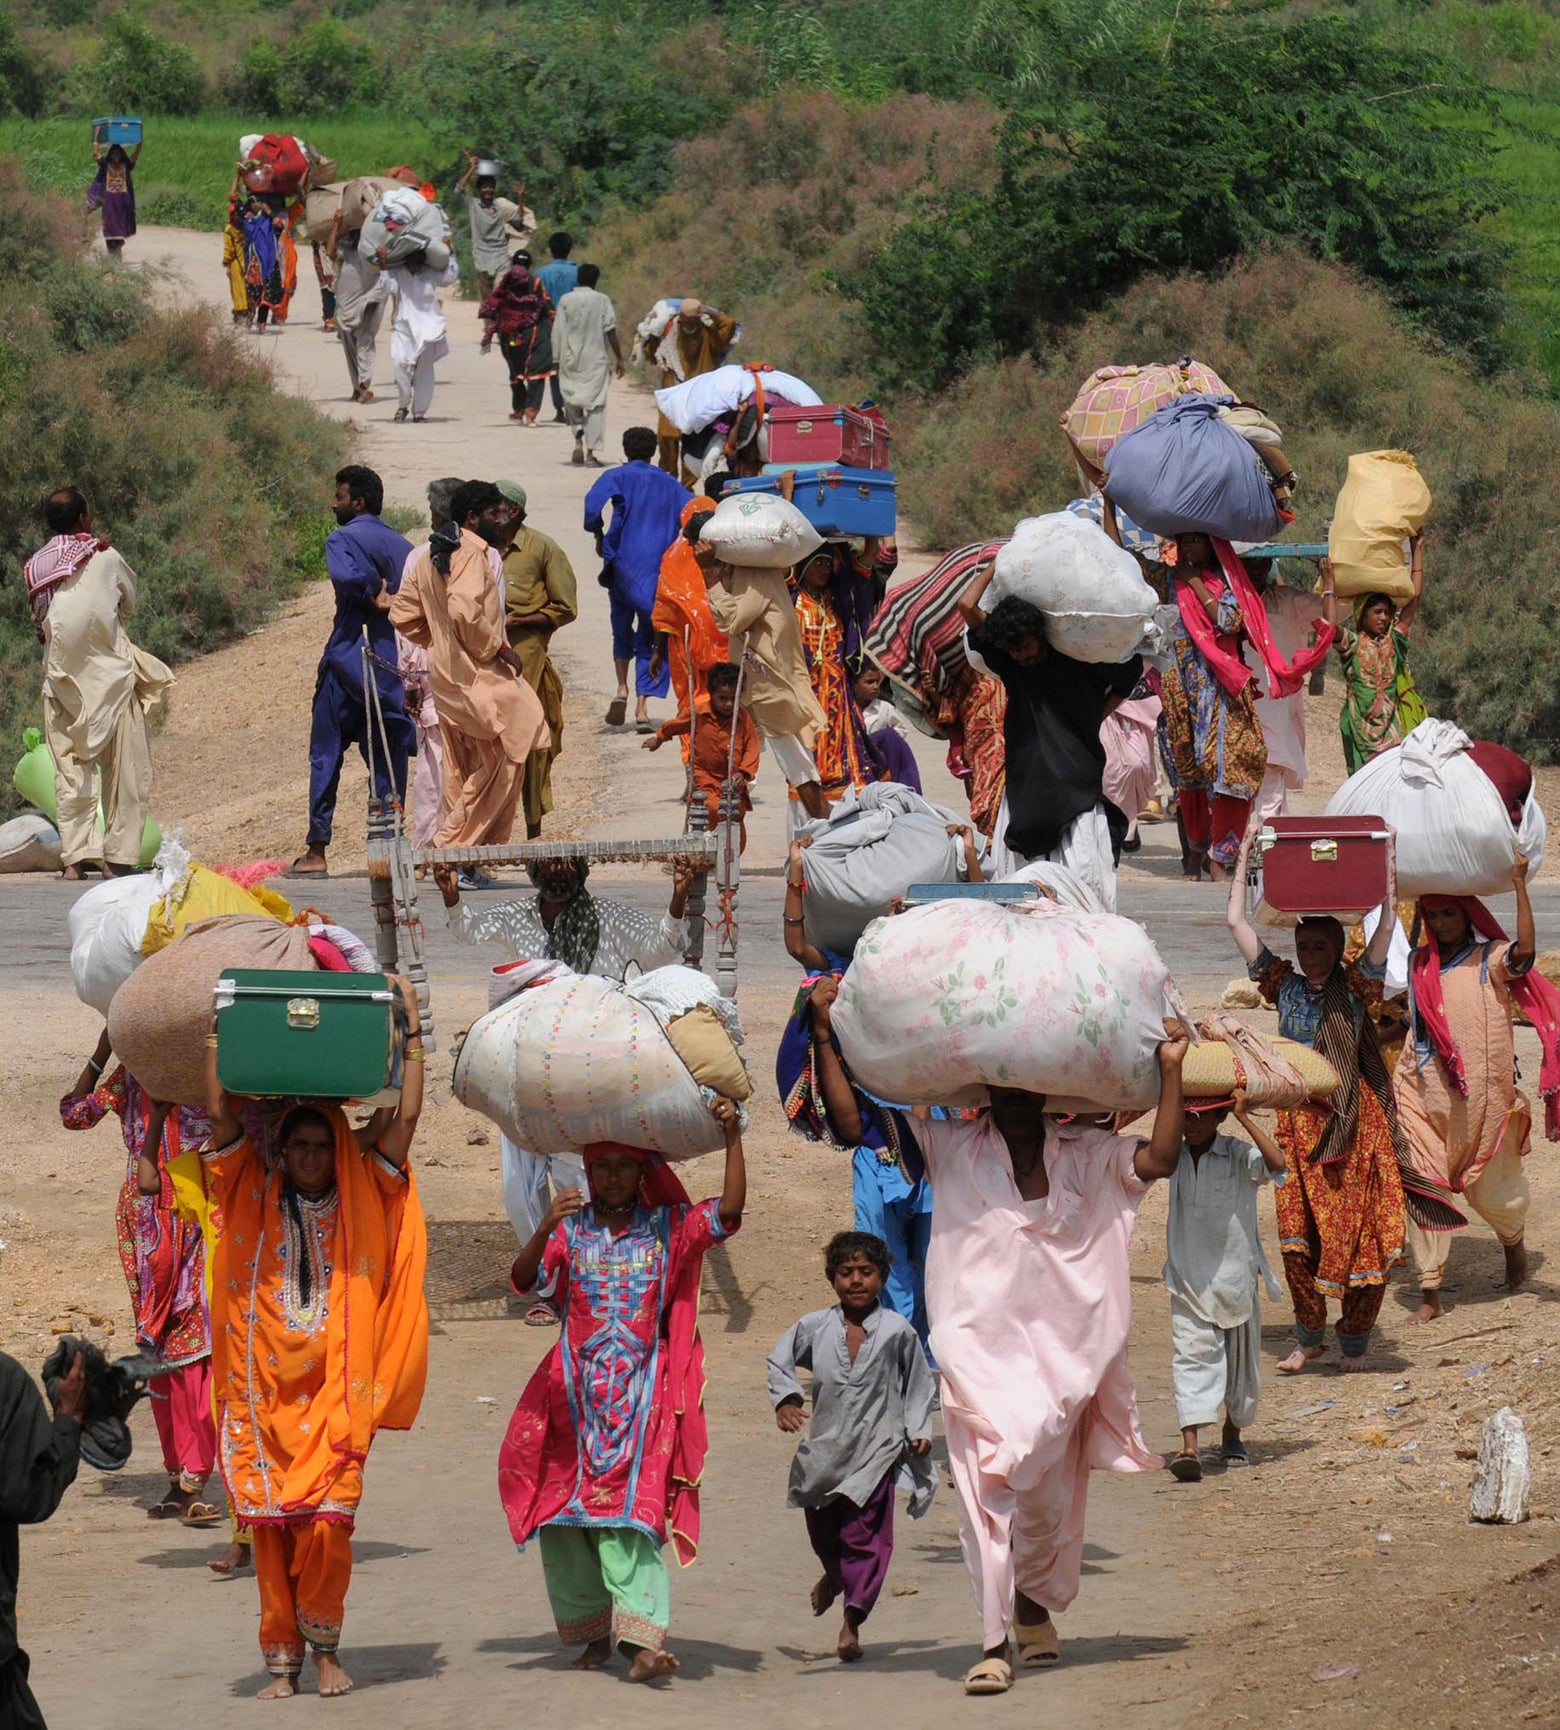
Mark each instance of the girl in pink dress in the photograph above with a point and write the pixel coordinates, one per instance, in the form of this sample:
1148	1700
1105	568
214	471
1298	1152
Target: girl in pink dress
1029	1291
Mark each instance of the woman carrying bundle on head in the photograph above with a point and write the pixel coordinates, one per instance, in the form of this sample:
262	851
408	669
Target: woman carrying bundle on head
1341	1207
1381	705
605	1450
1468	1124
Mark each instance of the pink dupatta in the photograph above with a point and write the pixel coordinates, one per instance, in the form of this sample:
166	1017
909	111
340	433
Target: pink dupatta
1228	667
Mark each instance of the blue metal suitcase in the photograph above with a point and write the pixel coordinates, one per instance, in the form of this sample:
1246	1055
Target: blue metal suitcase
840	503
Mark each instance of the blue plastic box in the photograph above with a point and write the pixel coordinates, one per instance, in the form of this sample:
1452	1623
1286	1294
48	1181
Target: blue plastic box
123	129
840	503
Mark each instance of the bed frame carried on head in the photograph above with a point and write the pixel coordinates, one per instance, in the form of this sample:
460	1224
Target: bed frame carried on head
393	863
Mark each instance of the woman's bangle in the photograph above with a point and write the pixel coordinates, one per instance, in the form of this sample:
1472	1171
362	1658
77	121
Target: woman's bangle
415	1056
94	1066
793	921
800	888
211	1041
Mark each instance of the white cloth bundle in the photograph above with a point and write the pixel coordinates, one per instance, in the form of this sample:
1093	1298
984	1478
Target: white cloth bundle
1453	834
106	926
1096	604
692	405
761	530
951	996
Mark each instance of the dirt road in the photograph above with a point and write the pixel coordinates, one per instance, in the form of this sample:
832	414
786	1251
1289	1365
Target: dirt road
1219	1604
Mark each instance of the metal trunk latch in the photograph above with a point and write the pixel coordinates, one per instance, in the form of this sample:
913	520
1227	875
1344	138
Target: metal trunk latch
303	1012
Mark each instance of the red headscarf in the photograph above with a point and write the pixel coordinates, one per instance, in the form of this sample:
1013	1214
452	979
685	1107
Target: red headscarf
1228	667
660	1187
1534	995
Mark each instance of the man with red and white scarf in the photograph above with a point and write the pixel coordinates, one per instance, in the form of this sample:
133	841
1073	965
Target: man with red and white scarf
97	689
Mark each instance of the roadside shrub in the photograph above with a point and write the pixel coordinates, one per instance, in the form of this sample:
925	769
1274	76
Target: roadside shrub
209	479
26	77
138	69
319	68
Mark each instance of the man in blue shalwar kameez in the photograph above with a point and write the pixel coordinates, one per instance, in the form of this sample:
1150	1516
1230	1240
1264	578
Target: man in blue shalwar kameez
364	558
647	505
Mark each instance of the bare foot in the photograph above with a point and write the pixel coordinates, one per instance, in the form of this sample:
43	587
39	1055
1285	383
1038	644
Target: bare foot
1516	1266
234	1559
1353	1367
279	1688
1297	1360
1429	1308
648	1666
333	1679
849	1647
596	1656
822	1596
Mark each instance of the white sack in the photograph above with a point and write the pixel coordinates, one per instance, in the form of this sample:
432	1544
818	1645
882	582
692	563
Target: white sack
762	530
948	997
578	1060
29	843
106	927
692	405
869	850
1097	606
1453	834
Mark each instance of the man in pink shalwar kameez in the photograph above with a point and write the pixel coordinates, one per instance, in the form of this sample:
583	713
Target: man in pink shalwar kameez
1029	1291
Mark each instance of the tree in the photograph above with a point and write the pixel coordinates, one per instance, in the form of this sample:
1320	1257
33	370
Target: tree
139	68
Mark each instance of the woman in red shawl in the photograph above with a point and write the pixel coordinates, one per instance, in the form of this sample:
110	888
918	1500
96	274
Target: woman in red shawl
1467	1122
606	1448
519	313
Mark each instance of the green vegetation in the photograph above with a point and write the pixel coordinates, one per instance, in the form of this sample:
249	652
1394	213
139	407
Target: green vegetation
206	477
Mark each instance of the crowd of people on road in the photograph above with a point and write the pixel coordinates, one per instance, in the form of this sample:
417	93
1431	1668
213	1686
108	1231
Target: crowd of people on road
275	1263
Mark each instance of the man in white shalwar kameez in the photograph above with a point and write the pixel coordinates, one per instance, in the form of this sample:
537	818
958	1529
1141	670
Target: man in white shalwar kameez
419	337
585	340
97	689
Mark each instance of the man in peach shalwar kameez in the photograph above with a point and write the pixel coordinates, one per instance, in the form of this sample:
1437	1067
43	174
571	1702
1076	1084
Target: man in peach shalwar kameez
490	717
1029	1290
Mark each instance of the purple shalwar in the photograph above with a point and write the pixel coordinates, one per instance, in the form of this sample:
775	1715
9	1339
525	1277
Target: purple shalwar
361	557
855	1544
647	506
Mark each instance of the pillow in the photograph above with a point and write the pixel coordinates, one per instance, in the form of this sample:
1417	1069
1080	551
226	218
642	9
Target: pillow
705	1046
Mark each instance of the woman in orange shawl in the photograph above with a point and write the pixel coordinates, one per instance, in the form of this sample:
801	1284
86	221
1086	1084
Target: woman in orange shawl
606	1448
686	635
319	1340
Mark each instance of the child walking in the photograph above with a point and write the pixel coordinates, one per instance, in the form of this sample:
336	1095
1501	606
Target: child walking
714	760
606	1448
872	1410
1213	1264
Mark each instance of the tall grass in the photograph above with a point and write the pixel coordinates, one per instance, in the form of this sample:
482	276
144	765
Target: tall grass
186	164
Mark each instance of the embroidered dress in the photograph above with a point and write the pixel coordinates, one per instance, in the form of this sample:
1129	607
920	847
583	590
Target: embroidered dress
1381	703
840	751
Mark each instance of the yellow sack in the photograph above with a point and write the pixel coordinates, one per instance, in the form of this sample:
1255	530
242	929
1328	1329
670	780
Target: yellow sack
204	894
1383	501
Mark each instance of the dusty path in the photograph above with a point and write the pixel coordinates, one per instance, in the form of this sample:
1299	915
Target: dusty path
1281	1569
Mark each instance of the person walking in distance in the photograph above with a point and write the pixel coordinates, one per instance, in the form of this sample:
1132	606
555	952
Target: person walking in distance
589	357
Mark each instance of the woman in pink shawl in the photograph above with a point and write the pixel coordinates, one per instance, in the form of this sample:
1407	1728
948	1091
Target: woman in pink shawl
606	1448
1468	1125
1129	733
1028	1285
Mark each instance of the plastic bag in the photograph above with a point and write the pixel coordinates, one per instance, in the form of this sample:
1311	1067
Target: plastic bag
1454	836
578	1060
1096	604
33	778
951	996
1187	472
761	530
29	843
1382	502
107	926
866	853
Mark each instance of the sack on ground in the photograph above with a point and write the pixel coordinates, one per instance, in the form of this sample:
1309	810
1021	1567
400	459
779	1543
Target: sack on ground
866	853
952	996
1096	604
760	529
1187	472
578	1060
1454	834
33	778
1115	399
1381	503
29	843
160	1016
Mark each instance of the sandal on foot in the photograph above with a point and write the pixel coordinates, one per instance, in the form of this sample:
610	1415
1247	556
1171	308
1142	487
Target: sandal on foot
1234	1454
617	711
1186	1469
989	1676
171	1507
201	1515
1038	1644
541	1315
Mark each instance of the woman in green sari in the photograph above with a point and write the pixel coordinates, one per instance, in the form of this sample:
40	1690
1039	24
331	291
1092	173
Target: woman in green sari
1381	704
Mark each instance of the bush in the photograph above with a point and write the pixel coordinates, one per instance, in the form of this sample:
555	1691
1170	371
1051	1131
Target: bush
320	67
139	70
1240	129
205	476
1326	356
25	77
